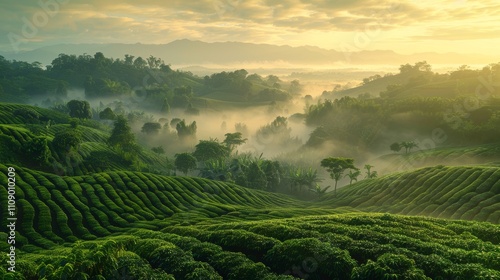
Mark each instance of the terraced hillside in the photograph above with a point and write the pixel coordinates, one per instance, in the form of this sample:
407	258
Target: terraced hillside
58	209
147	226
466	155
93	154
469	193
344	246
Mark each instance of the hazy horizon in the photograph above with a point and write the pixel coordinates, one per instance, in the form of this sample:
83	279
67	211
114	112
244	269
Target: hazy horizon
408	27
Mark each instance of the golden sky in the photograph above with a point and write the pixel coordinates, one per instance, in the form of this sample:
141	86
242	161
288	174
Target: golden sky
463	26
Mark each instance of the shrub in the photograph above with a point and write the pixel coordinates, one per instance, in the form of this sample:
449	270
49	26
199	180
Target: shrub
389	266
317	259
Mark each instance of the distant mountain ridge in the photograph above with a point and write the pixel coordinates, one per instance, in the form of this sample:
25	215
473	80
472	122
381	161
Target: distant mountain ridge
188	52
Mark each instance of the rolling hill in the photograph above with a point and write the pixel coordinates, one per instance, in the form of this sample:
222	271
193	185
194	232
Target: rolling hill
462	192
190	228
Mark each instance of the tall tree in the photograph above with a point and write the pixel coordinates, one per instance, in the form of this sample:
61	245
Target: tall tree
185	131
233	139
122	136
165	107
79	109
336	167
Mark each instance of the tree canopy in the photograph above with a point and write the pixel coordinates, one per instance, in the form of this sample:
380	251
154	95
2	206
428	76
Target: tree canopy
210	149
122	136
185	162
79	109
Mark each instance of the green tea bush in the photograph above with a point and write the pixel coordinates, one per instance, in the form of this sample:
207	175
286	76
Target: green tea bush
318	259
389	266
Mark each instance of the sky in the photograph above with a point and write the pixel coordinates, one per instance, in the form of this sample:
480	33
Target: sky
410	26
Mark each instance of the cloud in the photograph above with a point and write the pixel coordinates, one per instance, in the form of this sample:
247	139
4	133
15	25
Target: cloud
269	21
460	33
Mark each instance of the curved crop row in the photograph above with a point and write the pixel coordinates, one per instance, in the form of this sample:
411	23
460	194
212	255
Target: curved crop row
470	193
55	209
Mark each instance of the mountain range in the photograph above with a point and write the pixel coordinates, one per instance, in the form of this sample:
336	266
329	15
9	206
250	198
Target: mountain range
181	53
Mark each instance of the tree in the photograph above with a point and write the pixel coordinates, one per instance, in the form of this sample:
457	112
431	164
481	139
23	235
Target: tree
295	87
185	162
37	150
408	145
396	147
151	128
165	108
122	136
318	190
210	149
79	109
66	140
185	131
309	177
256	178
140	63
233	139
336	167
159	150
369	173
107	114
353	175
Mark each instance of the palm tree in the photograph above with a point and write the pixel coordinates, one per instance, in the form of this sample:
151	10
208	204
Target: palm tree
353	175
317	190
368	171
408	145
310	177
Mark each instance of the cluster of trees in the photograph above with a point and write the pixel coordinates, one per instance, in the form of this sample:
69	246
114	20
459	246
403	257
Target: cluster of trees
19	80
277	134
367	123
336	166
408	145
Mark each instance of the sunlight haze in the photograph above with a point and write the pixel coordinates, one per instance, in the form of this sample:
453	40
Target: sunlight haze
405	27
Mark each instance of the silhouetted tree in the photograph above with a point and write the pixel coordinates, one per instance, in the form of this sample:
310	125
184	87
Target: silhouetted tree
396	147
151	128
186	131
233	139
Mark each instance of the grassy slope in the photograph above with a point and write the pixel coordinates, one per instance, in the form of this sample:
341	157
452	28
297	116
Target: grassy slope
234	231
94	137
56	209
470	193
485	154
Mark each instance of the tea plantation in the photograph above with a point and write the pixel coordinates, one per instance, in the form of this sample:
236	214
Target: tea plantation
469	193
90	220
144	226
